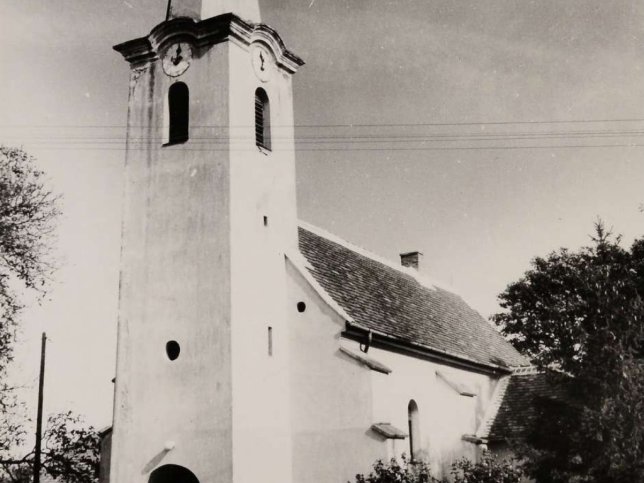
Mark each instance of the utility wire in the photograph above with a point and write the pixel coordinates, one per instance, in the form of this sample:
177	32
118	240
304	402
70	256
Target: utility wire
383	137
461	123
351	137
424	148
337	139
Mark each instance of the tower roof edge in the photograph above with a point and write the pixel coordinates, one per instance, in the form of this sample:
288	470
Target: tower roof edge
205	32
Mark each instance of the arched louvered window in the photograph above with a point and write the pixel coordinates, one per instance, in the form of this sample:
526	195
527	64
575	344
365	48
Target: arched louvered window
262	119
178	113
414	430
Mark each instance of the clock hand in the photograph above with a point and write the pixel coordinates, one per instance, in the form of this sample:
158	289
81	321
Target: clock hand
177	57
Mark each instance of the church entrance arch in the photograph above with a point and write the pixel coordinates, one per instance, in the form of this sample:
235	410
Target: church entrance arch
172	474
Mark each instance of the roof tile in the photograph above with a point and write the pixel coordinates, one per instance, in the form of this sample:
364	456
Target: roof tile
382	298
517	411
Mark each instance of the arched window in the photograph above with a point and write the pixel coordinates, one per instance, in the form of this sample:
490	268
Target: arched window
414	430
172	474
262	119
178	113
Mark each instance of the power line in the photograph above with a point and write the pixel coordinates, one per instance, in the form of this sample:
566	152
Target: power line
305	126
383	137
371	136
337	140
423	148
365	141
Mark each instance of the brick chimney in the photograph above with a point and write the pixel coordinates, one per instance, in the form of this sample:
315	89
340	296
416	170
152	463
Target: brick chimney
411	259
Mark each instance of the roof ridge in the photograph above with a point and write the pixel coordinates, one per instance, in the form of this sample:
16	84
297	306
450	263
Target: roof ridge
423	279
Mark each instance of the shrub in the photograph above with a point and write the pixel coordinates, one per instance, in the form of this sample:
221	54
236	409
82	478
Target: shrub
488	470
394	472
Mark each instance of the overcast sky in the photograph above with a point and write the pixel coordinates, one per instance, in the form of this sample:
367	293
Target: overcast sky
482	133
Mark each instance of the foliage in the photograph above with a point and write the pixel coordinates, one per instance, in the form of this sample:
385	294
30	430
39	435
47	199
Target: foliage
488	470
28	210
580	317
70	453
71	450
394	472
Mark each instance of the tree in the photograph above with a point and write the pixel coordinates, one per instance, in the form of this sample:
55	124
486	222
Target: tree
70	453
28	211
579	316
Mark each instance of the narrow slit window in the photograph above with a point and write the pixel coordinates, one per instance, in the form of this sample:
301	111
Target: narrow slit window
414	430
270	341
262	120
178	113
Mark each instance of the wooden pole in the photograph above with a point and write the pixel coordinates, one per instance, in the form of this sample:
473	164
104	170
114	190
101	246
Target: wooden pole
41	385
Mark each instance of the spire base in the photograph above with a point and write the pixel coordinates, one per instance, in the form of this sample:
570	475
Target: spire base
204	9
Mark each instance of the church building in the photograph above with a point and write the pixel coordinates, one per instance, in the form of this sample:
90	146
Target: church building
253	346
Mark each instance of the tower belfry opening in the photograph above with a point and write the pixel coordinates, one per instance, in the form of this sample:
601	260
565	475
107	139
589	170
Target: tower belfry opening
178	113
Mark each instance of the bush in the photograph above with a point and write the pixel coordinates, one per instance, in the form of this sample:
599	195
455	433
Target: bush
394	472
488	470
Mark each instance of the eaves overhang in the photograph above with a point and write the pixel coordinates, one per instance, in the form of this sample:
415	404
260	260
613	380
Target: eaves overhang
358	332
204	33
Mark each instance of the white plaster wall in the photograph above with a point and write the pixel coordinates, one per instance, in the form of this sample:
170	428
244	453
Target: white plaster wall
331	395
200	267
335	399
444	414
246	9
262	184
175	284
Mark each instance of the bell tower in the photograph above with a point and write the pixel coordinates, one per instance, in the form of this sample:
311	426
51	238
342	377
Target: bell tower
202	389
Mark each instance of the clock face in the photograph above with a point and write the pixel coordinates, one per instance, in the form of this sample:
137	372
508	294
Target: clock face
262	62
176	59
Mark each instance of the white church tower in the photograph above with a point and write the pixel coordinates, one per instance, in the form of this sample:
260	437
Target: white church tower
202	391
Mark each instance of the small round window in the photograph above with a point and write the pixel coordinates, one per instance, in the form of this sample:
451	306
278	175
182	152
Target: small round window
301	307
172	349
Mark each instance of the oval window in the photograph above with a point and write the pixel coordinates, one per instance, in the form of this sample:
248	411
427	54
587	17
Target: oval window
172	349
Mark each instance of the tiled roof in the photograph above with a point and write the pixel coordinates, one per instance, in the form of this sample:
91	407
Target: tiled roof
397	302
517	410
492	409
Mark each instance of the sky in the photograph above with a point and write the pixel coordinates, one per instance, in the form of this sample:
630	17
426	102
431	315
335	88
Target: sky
482	133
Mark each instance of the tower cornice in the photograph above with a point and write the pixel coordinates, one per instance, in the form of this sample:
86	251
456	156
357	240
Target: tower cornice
204	33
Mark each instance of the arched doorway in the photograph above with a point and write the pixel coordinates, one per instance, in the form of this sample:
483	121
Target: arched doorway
172	474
